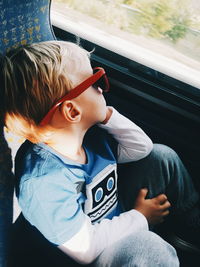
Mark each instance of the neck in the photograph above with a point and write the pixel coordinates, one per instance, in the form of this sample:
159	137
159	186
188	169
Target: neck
69	144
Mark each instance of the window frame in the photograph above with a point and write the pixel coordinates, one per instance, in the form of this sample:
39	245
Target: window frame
174	95
168	110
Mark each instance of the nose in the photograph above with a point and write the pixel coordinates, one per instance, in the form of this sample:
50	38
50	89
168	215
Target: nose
100	90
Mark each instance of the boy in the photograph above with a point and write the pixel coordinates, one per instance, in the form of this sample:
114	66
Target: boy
67	172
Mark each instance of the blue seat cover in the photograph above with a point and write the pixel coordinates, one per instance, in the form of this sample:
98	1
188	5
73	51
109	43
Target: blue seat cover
21	22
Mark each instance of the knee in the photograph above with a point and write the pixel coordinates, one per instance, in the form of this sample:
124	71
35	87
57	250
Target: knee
154	250
161	151
143	249
153	243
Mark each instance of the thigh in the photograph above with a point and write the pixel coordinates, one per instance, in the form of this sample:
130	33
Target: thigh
143	249
161	172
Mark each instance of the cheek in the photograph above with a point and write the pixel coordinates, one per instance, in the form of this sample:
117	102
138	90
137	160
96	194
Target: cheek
102	108
97	109
94	104
101	102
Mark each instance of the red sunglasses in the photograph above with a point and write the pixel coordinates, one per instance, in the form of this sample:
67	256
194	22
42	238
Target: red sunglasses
98	79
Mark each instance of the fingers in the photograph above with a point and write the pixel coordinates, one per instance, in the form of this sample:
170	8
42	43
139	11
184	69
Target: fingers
164	209
166	205
142	194
163	201
165	213
162	198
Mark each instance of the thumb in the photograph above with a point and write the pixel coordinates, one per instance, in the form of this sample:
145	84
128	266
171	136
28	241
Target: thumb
143	193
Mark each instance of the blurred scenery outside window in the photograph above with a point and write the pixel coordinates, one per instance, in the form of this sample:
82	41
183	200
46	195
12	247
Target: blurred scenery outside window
169	28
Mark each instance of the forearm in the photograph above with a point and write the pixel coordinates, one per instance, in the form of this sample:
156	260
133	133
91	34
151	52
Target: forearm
91	240
134	144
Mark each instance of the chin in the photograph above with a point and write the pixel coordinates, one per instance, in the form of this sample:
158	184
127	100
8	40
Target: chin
103	117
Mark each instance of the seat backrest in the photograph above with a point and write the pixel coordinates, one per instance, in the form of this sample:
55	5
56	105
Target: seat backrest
24	21
21	22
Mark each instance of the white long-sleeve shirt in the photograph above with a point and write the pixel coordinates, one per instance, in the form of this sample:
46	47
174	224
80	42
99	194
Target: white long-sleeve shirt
133	143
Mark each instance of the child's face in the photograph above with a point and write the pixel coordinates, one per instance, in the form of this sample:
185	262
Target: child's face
92	103
94	106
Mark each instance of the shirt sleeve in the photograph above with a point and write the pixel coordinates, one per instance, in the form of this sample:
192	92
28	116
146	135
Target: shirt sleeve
91	240
51	204
133	143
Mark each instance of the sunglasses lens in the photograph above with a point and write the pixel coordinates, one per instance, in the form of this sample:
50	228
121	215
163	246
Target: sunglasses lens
102	83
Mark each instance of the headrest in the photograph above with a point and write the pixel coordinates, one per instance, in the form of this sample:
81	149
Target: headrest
24	22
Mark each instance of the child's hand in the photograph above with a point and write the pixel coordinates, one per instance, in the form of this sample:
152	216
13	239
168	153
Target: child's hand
153	209
108	115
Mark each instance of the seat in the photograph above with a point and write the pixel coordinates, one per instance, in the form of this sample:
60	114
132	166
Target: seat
6	195
21	22
24	22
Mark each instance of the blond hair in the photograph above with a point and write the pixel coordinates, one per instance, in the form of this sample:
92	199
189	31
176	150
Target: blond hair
34	78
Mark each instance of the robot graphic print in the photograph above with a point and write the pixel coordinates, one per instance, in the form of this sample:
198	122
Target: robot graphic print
102	194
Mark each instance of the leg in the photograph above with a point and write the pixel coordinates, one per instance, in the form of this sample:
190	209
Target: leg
161	172
142	249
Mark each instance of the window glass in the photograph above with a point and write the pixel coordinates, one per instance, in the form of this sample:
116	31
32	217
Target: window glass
161	34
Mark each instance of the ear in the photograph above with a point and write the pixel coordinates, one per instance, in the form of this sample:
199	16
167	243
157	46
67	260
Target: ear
71	111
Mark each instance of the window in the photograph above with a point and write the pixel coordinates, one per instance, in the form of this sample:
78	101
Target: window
162	35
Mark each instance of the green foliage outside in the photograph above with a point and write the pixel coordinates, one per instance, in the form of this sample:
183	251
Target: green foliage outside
105	11
161	19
